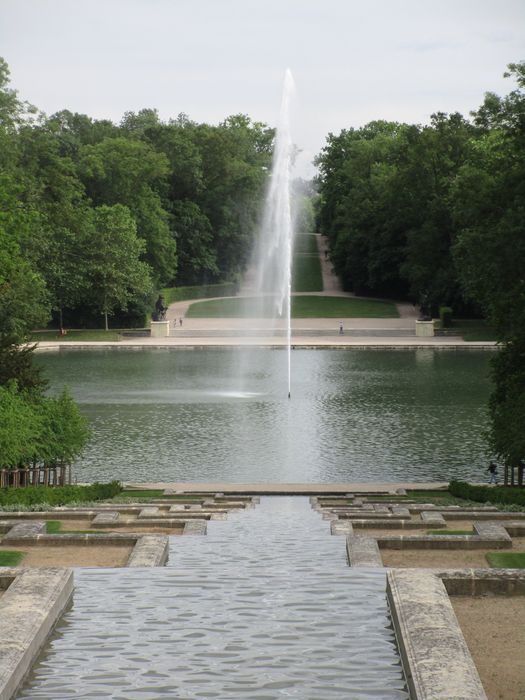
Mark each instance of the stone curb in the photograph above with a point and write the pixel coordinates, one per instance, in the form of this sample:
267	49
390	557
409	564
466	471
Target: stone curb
483	581
149	550
195	527
435	656
363	552
29	609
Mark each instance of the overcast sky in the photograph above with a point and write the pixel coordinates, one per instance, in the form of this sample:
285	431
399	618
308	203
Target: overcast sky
352	61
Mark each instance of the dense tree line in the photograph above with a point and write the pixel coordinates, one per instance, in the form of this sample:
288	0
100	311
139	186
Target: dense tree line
437	213
101	215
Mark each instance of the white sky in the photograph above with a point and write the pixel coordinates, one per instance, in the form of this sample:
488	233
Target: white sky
352	61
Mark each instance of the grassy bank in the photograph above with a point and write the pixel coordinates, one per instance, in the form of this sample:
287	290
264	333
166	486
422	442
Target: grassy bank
302	307
82	335
173	294
306	273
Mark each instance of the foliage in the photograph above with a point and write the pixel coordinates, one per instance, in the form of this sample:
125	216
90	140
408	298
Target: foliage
39	430
445	314
384	206
59	495
116	273
488	494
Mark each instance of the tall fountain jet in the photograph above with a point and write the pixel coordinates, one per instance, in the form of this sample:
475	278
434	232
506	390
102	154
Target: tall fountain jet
276	242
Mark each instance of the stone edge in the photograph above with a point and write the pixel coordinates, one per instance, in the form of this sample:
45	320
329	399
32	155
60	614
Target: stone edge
29	610
435	656
149	550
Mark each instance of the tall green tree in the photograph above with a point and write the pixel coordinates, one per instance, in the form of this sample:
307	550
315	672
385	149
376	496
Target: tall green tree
116	272
489	206
127	171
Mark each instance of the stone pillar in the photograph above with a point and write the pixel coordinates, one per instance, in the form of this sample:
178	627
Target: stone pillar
160	329
424	329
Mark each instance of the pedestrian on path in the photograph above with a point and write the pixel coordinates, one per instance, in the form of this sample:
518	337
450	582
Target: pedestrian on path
493	469
341	331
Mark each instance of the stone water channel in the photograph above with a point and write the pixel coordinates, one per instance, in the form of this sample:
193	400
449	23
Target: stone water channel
264	607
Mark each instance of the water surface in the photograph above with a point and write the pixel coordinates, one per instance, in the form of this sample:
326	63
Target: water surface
354	415
264	607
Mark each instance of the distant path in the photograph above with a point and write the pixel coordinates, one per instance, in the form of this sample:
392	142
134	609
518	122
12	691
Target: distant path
404	325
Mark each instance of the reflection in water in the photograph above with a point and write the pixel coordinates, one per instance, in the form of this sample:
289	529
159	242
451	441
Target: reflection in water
355	415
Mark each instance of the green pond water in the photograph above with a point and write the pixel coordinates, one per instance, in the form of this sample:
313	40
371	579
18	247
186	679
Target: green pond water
224	415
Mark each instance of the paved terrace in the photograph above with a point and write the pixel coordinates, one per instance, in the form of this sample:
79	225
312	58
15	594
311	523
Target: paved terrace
289	489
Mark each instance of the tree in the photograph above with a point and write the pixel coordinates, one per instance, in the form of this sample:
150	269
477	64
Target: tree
127	171
489	207
197	259
116	273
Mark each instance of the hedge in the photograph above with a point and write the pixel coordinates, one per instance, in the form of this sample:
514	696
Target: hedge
59	495
445	314
486	494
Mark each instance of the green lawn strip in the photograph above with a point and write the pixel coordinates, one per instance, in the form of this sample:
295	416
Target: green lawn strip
172	294
306	271
438	498
506	560
11	558
450	532
302	307
77	335
473	329
54	527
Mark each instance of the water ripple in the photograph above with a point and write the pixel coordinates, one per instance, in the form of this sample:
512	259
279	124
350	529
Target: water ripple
264	607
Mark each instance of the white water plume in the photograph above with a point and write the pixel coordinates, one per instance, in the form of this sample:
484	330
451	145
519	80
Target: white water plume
274	264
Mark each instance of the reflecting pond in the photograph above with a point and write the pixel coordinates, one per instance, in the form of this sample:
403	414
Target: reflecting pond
354	415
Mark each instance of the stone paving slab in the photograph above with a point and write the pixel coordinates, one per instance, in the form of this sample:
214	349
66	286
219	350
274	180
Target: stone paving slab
292	489
23	530
195	527
29	609
435	656
110	518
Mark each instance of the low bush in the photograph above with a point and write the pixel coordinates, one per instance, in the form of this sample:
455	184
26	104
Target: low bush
445	314
58	495
488	494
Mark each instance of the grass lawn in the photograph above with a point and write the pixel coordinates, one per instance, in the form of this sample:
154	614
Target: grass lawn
302	307
506	560
306	271
473	330
54	527
11	558
86	335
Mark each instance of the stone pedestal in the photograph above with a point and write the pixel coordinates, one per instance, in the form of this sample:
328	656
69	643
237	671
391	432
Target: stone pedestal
424	329
160	329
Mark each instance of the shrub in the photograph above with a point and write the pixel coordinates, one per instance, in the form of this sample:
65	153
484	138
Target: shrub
445	314
60	495
486	494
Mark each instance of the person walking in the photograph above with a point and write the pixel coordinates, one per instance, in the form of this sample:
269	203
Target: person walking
493	470
341	330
